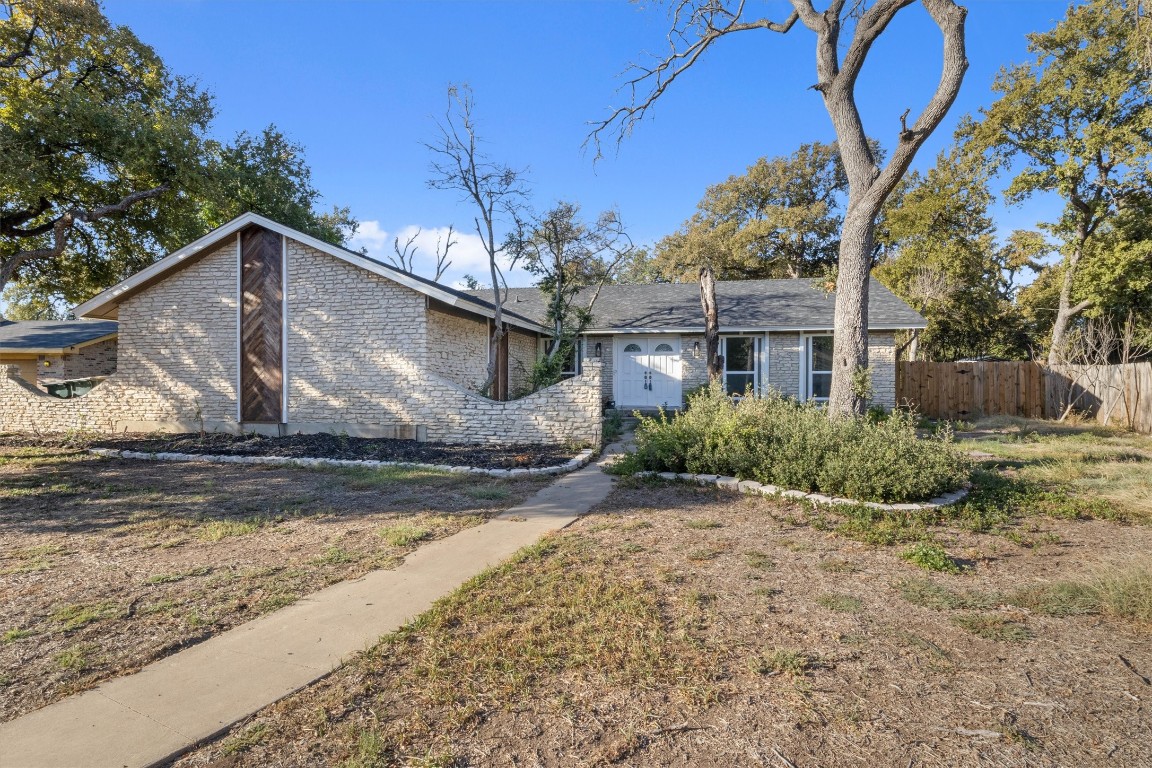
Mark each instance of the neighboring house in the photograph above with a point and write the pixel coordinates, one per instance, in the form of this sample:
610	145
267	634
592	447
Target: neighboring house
774	334
54	351
259	327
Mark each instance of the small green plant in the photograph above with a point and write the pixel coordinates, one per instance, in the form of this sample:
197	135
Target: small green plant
782	662
613	427
172	578
928	594
336	556
930	556
79	615
759	560
702	554
245	740
1060	598
702	525
488	494
834	601
836	565
12	635
74	659
404	534
991	627
218	530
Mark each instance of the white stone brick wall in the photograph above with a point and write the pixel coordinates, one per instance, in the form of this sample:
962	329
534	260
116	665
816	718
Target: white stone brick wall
882	361
97	359
355	341
523	349
458	349
693	366
606	359
785	357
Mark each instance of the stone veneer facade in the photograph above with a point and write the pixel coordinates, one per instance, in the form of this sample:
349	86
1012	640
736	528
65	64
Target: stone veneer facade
357	358
89	361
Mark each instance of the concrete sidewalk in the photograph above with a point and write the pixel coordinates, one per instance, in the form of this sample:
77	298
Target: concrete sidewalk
172	705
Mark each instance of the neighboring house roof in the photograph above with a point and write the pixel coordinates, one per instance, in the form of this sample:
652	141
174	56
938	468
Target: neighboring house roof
106	304
743	305
43	337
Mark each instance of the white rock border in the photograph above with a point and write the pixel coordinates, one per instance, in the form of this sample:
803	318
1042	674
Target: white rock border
571	465
817	499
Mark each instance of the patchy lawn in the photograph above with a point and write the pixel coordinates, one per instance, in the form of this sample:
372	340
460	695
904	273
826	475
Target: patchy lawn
1110	468
679	625
107	565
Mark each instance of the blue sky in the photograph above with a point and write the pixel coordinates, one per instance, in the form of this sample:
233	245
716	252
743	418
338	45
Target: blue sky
360	85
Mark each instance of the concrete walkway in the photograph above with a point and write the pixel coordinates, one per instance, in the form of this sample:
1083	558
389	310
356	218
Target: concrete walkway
176	703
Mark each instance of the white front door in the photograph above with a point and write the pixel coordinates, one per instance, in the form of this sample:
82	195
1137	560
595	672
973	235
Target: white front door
648	372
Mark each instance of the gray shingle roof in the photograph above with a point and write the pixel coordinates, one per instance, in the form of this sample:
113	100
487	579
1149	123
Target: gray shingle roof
743	304
52	334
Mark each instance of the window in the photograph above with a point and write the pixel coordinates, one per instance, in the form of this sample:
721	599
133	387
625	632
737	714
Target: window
663	347
572	365
632	348
819	368
741	364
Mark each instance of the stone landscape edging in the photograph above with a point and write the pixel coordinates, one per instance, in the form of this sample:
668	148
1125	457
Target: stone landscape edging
819	499
571	465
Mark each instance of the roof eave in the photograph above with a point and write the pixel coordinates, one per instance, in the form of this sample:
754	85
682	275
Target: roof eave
104	304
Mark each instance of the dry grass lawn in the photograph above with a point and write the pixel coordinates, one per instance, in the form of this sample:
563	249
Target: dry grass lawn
107	565
683	626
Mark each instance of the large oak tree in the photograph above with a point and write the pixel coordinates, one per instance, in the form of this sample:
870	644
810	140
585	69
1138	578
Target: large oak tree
844	33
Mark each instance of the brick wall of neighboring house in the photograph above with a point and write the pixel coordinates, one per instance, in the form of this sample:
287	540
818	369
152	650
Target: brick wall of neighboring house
523	350
176	361
458	349
97	359
785	356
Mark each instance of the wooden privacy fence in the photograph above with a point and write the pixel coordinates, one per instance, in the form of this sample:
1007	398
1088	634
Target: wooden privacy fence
972	390
1116	395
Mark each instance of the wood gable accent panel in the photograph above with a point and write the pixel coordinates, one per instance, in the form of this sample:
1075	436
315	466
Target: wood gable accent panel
261	326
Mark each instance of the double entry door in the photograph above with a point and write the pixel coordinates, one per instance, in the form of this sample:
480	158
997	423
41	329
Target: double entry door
648	373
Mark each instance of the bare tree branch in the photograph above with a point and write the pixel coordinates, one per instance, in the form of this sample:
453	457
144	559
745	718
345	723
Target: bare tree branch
404	258
703	24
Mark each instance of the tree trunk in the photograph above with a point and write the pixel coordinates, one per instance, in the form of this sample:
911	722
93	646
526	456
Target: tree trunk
711	323
1064	311
850	341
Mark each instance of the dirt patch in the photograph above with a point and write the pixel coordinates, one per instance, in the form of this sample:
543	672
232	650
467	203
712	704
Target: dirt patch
107	565
682	626
327	446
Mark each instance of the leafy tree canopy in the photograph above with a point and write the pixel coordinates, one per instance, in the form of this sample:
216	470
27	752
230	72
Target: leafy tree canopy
780	219
938	252
1076	121
105	162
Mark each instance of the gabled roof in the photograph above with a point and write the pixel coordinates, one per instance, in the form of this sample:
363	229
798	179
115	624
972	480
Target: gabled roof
743	305
57	337
106	304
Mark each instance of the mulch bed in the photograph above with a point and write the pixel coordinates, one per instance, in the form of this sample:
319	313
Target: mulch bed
327	446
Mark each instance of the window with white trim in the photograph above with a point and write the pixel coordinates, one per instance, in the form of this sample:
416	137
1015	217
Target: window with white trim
741	363
572	365
819	368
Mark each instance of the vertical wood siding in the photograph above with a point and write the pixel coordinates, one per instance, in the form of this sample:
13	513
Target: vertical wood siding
261	326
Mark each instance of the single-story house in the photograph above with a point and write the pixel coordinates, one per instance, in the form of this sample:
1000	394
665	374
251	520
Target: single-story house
257	326
773	334
51	351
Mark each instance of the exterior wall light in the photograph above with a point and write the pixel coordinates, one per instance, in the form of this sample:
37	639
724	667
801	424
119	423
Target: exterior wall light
599	350
696	349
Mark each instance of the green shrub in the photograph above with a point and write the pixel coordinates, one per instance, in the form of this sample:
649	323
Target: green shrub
931	557
778	441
